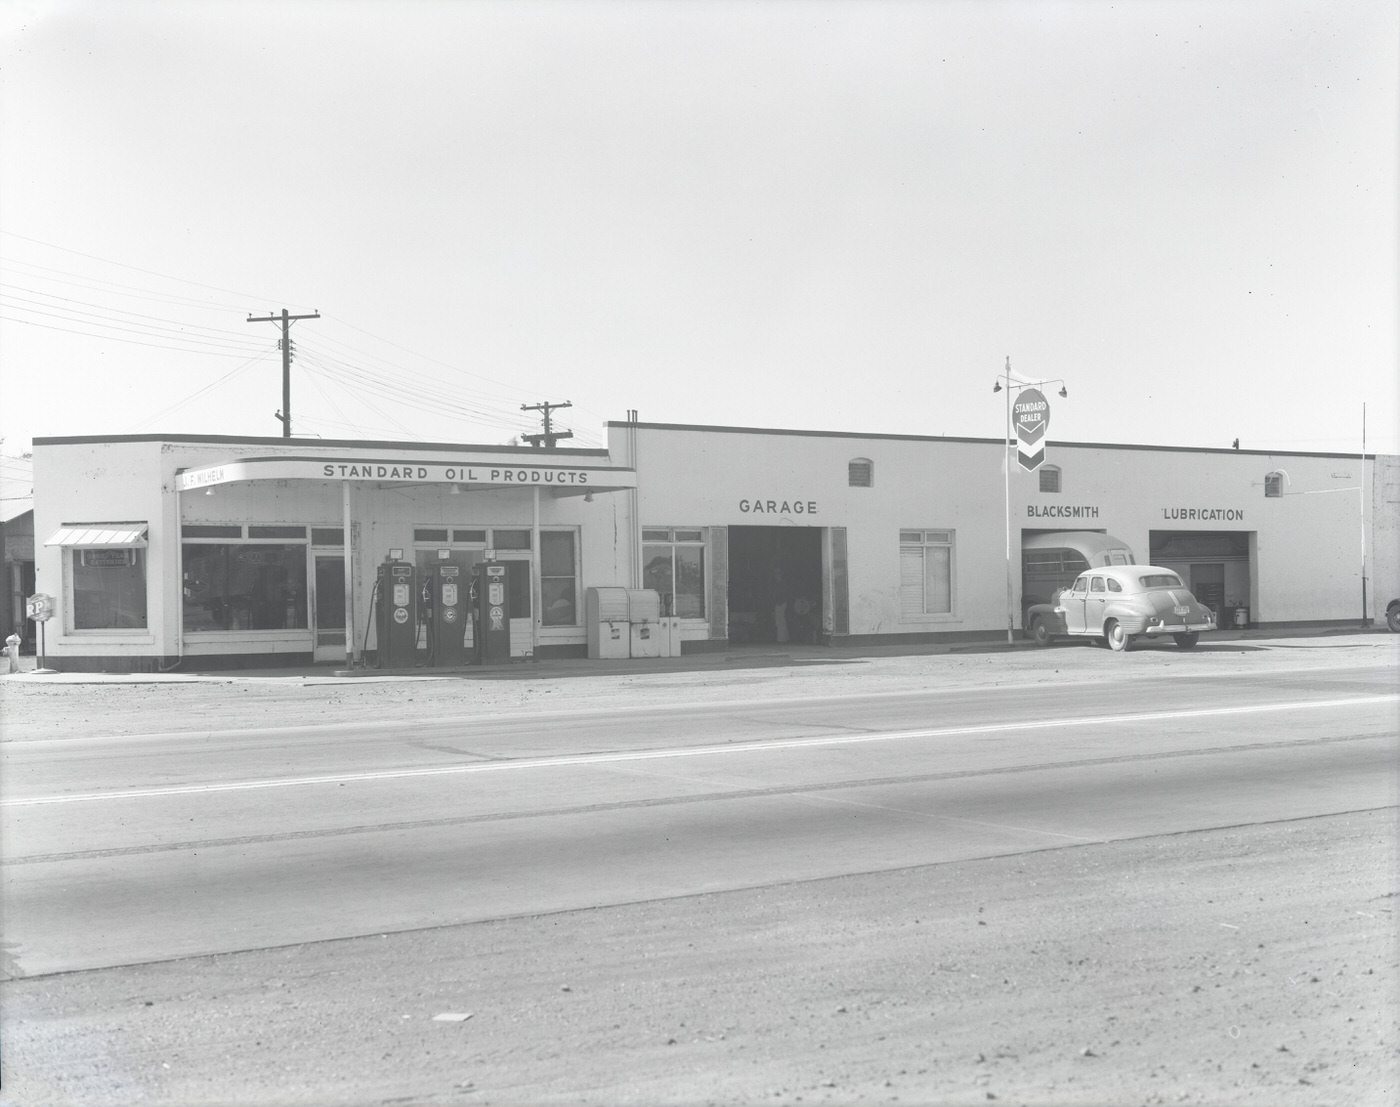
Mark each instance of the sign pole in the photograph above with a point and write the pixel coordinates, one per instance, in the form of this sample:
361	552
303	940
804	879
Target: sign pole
39	607
1026	429
1006	469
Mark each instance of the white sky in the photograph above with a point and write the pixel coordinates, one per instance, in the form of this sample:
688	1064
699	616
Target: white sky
826	215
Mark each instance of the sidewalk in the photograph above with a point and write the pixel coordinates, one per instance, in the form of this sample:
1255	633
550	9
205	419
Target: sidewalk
730	658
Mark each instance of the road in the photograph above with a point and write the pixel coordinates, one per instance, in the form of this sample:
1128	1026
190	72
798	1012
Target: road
130	849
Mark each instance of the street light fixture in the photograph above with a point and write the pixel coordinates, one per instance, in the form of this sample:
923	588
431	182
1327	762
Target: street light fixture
1008	382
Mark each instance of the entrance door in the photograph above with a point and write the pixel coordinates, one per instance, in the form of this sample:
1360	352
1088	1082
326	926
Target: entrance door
328	607
519	589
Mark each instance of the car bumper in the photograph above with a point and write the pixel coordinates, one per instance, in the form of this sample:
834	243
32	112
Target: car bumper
1178	628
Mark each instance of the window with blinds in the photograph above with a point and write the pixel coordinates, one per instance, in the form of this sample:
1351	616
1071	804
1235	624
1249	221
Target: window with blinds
925	573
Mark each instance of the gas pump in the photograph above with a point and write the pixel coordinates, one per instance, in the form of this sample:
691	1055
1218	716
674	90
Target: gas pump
448	621
396	613
491	612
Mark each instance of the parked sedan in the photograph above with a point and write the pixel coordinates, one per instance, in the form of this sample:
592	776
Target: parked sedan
1120	603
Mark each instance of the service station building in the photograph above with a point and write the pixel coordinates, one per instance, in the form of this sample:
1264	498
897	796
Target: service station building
162	551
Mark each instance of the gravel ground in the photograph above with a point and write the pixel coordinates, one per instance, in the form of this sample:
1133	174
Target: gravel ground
67	705
1249	966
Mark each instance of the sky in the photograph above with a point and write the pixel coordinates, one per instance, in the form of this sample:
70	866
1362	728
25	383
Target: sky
806	214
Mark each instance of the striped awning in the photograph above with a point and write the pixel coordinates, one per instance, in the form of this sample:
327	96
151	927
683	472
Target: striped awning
99	534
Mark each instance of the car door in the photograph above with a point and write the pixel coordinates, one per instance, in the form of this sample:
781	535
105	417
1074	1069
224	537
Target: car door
1094	604
1071	605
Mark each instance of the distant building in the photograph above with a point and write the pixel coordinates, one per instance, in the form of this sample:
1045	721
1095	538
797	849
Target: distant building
17	542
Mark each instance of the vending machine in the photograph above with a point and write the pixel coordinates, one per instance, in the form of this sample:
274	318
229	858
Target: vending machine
492	613
396	613
447	625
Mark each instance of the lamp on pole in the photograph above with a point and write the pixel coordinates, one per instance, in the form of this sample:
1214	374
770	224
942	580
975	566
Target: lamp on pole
1008	382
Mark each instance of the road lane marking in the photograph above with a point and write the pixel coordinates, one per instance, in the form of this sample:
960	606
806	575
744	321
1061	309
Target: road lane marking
729	748
528	713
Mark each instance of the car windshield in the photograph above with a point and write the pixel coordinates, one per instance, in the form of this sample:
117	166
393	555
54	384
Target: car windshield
1160	580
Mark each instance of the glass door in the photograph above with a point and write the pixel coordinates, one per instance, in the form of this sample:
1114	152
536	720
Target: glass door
518	587
328	607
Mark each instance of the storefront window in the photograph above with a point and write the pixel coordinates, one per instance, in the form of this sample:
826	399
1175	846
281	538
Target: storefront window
675	568
558	565
109	588
557	582
244	586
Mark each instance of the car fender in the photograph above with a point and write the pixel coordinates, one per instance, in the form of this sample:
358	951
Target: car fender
1054	616
1128	617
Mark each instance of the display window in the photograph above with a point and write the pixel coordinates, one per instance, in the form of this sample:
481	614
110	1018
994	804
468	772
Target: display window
673	563
513	546
558	579
109	588
244	586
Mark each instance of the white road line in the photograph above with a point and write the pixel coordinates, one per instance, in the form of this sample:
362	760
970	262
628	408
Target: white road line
727	749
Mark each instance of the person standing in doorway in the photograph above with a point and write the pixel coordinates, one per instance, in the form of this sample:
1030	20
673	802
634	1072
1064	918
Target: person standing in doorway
782	596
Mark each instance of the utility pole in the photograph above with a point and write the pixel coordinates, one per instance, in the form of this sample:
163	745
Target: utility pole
549	437
285	415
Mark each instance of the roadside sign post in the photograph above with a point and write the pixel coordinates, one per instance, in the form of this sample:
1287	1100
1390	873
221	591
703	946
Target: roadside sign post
39	607
1031	418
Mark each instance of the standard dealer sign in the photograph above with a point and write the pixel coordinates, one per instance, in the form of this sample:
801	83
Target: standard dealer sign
1031	414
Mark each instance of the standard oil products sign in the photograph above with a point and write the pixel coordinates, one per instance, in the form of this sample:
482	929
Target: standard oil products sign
1031	416
382	472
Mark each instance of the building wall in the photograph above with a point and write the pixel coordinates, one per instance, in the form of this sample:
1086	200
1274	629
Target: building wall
17	541
1384	550
1304	561
104	482
135	481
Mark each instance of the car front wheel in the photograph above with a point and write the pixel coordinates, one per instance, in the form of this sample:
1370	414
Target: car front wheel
1186	641
1118	638
1040	633
1392	618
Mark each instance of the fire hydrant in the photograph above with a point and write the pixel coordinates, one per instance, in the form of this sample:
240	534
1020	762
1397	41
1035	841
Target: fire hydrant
12	652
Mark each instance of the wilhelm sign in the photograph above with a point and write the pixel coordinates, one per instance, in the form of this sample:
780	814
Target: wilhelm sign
1031	415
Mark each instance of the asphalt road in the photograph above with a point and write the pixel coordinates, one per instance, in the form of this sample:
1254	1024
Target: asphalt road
128	849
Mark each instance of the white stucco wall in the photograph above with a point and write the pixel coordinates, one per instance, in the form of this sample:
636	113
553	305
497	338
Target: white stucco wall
135	480
1306	544
1384	552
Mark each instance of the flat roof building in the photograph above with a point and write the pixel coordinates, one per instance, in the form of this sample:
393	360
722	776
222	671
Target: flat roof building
223	551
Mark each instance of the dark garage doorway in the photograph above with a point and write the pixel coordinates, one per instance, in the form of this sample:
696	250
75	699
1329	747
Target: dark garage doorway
775	585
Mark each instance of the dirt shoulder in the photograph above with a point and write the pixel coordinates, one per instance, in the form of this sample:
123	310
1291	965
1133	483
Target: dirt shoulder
78	705
1249	966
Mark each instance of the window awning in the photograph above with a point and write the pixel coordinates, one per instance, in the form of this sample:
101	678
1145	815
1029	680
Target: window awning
99	534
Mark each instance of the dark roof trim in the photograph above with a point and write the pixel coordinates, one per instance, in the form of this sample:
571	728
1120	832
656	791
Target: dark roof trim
1057	443
309	443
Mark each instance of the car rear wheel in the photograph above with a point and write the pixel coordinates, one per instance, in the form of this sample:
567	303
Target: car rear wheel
1187	640
1040	633
1392	618
1118	638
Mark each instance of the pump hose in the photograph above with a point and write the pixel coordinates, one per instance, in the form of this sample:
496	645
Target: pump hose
373	592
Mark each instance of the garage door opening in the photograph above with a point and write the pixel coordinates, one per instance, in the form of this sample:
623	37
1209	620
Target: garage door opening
1218	567
775	585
